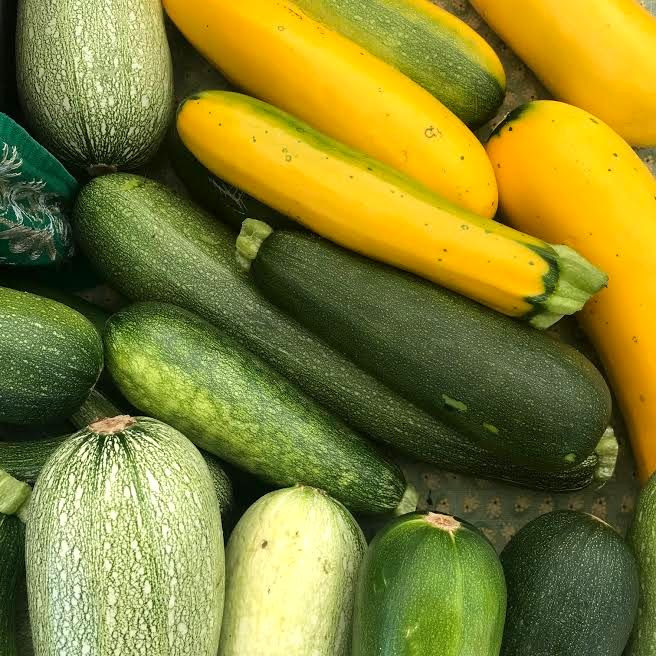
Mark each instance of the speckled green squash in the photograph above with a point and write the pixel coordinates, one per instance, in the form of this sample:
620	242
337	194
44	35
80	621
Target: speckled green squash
124	548
291	565
429	584
11	568
572	588
50	358
95	79
426	43
643	540
177	367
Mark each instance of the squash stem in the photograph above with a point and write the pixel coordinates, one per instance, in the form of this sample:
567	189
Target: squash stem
607	451
14	494
578	280
96	407
251	237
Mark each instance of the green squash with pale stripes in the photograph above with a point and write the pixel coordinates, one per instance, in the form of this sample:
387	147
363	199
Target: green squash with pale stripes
95	79
124	547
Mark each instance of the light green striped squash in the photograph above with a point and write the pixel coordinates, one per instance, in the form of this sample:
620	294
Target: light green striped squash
95	79
291	565
124	548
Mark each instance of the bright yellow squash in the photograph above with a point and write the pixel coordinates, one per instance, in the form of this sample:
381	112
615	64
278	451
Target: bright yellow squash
566	176
596	54
373	209
275	51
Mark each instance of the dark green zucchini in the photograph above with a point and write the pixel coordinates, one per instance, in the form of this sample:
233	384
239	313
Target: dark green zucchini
50	358
176	367
11	570
429	584
153	245
230	204
572	588
505	386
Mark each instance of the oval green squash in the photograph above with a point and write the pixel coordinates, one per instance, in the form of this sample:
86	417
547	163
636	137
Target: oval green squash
429	584
11	569
291	565
572	588
50	358
175	366
124	549
106	102
428	44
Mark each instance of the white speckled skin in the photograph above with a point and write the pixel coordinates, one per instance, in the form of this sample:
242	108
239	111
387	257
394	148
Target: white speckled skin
95	78
124	548
291	564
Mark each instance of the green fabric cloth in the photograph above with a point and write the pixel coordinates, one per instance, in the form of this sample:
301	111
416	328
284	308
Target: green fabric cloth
36	192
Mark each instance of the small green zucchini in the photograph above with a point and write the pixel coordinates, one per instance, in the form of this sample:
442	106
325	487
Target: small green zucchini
291	565
572	588
124	549
512	390
11	569
50	358
429	584
173	365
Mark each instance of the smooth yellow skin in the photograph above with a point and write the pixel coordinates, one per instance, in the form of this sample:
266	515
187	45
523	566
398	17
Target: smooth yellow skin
274	51
596	54
566	176
360	203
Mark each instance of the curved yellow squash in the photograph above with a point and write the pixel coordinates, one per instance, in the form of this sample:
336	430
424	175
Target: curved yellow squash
274	51
566	176
596	54
373	209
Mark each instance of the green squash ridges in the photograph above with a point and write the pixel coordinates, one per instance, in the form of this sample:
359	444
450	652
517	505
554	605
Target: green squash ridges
124	549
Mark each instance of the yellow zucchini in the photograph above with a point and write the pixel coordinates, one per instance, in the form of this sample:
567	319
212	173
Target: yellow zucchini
275	51
597	54
373	209
566	176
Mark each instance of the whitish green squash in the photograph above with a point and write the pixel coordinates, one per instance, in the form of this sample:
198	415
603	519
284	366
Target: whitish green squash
291	566
95	79
124	549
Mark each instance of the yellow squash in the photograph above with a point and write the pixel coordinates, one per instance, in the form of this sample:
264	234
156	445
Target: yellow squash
275	51
566	176
596	54
373	209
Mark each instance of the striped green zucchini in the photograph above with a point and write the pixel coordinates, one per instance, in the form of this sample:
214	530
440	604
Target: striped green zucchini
106	102
431	46
291	565
178	368
124	551
50	358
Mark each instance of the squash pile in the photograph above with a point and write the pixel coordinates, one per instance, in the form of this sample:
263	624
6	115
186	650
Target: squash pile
351	276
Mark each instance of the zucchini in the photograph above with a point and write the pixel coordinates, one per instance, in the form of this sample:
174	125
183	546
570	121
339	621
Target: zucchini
11	566
572	588
428	44
7	56
105	103
177	367
548	406
291	565
151	244
50	358
429	584
643	541
380	212
124	551
229	203
360	101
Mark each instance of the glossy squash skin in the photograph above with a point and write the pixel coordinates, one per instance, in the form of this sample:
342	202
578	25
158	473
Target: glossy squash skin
564	175
378	211
354	97
598	55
